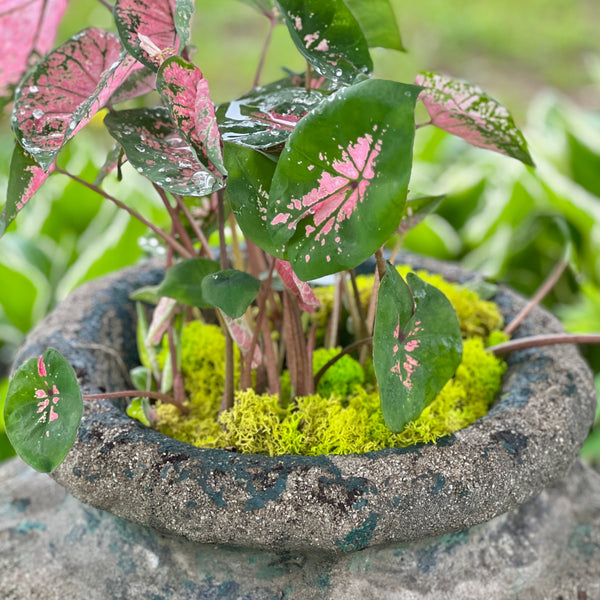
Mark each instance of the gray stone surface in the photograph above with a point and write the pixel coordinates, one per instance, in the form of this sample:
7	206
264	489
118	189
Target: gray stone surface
343	503
53	547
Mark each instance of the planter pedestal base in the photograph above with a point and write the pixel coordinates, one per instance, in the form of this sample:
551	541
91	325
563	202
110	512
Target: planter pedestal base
54	547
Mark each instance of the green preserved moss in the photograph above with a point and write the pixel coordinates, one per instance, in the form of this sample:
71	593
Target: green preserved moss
345	416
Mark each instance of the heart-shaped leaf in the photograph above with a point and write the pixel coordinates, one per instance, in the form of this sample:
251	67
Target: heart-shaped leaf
183	281
416	209
329	37
248	182
24	180
155	147
147	29
417	346
466	111
66	89
378	23
266	8
232	291
264	117
43	410
27	26
341	182
185	92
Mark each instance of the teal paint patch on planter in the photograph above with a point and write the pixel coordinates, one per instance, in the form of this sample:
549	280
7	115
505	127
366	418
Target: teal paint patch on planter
360	537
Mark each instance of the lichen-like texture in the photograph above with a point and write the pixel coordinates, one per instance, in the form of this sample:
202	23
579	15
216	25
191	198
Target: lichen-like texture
345	416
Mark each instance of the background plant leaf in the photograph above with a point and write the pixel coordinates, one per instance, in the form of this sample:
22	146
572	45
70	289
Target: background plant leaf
184	11
378	22
417	346
231	290
329	37
465	110
185	92
338	192
156	148
264	117
25	178
43	410
183	281
248	182
66	89
138	21
27	26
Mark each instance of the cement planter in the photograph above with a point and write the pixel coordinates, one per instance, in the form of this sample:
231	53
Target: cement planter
328	503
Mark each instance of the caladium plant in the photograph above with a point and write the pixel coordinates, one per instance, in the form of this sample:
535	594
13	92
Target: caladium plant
313	169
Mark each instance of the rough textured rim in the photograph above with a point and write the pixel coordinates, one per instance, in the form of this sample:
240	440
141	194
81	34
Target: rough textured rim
335	503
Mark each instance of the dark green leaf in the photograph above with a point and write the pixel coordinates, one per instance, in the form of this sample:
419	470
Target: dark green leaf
266	8
43	410
329	37
416	209
378	22
232	291
341	182
183	281
264	117
417	346
248	183
156	148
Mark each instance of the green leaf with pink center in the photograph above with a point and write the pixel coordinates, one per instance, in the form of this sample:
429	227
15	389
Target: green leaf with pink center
417	346
43	410
466	111
340	186
185	92
329	37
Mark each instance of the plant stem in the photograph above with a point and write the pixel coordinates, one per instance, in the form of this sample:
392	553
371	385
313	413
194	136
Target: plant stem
544	340
194	225
176	221
178	388
263	53
171	241
380	263
336	310
539	295
332	361
130	394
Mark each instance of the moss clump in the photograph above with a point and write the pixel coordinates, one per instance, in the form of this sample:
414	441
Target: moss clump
344	417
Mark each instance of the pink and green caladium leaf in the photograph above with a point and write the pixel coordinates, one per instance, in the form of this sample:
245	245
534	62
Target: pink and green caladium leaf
156	148
304	293
249	178
328	35
25	178
231	290
183	281
264	117
66	89
466	111
185	92
417	346
340	186
27	26
147	29
378	23
242	334
43	410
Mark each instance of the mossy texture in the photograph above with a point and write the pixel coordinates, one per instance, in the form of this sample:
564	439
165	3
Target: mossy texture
345	416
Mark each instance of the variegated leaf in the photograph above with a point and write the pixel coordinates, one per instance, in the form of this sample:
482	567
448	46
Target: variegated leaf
466	111
186	94
417	346
66	89
341	182
304	293
27	26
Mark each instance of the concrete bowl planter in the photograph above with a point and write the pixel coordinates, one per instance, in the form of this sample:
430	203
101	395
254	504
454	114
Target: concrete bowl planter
528	441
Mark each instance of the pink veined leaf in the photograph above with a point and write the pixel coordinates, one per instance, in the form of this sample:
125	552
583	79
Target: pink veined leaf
147	29
66	89
466	111
27	26
139	83
186	93
303	292
163	312
242	335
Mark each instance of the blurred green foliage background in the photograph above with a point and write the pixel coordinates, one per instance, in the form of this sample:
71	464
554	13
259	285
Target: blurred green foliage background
540	58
